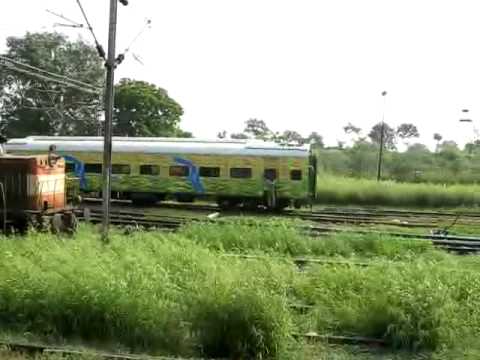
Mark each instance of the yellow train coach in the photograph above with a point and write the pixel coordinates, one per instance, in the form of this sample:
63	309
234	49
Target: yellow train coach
231	172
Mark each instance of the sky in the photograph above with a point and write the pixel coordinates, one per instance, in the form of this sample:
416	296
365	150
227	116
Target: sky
304	65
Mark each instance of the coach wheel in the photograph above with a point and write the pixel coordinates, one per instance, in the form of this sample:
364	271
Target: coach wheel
185	198
87	214
297	204
250	205
282	204
70	223
227	204
57	223
143	199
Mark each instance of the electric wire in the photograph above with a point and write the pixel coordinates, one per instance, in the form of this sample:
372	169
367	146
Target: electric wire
50	79
101	51
73	23
16	65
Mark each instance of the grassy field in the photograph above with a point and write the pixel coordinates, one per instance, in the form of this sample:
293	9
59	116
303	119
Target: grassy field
349	191
185	294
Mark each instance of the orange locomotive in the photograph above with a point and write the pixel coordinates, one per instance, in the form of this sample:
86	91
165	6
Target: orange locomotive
33	193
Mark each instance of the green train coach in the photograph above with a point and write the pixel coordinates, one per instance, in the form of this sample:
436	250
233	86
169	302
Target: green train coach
147	170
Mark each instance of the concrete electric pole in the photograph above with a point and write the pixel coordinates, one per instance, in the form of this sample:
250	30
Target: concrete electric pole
109	103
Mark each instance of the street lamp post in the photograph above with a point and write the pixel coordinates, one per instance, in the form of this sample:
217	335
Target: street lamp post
467	119
382	138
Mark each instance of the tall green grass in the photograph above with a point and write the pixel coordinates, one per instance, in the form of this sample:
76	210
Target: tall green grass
418	305
349	191
277	237
176	294
146	292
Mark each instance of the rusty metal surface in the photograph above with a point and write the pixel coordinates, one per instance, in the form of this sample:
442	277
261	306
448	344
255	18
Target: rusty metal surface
31	183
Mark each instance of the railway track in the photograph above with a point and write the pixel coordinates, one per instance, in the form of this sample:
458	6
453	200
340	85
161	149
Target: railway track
36	349
329	216
326	210
33	349
137	219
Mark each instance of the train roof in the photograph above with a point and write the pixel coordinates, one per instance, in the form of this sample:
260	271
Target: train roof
159	146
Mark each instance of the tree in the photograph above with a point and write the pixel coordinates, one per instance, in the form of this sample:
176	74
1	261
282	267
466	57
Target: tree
32	106
388	135
315	139
407	131
143	109
351	129
179	133
290	136
239	136
362	158
257	128
472	147
437	137
222	134
450	156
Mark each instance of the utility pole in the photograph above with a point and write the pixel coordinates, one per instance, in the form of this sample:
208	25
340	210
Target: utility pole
109	102
382	139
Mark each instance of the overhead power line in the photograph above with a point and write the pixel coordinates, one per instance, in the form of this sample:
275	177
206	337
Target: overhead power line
47	76
73	23
10	62
100	50
121	57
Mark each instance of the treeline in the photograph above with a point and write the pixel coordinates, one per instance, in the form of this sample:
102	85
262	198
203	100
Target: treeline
34	102
447	165
258	129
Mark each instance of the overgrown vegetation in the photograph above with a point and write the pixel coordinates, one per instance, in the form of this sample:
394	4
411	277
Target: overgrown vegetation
248	235
349	191
447	165
178	294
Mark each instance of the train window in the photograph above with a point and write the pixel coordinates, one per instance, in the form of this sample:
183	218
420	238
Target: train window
240	173
149	170
93	168
270	174
121	169
179	171
69	167
210	171
296	175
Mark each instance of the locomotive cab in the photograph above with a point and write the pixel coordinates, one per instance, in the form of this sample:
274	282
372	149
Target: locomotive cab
33	192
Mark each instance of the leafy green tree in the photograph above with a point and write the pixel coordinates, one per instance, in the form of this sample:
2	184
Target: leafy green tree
352	129
257	129
407	131
291	136
362	159
179	133
315	139
33	106
388	135
437	137
239	136
222	134
143	109
450	157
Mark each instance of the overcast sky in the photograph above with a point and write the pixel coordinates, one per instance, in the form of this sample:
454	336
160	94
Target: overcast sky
305	65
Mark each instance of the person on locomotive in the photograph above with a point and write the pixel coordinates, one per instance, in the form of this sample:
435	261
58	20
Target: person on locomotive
3	141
